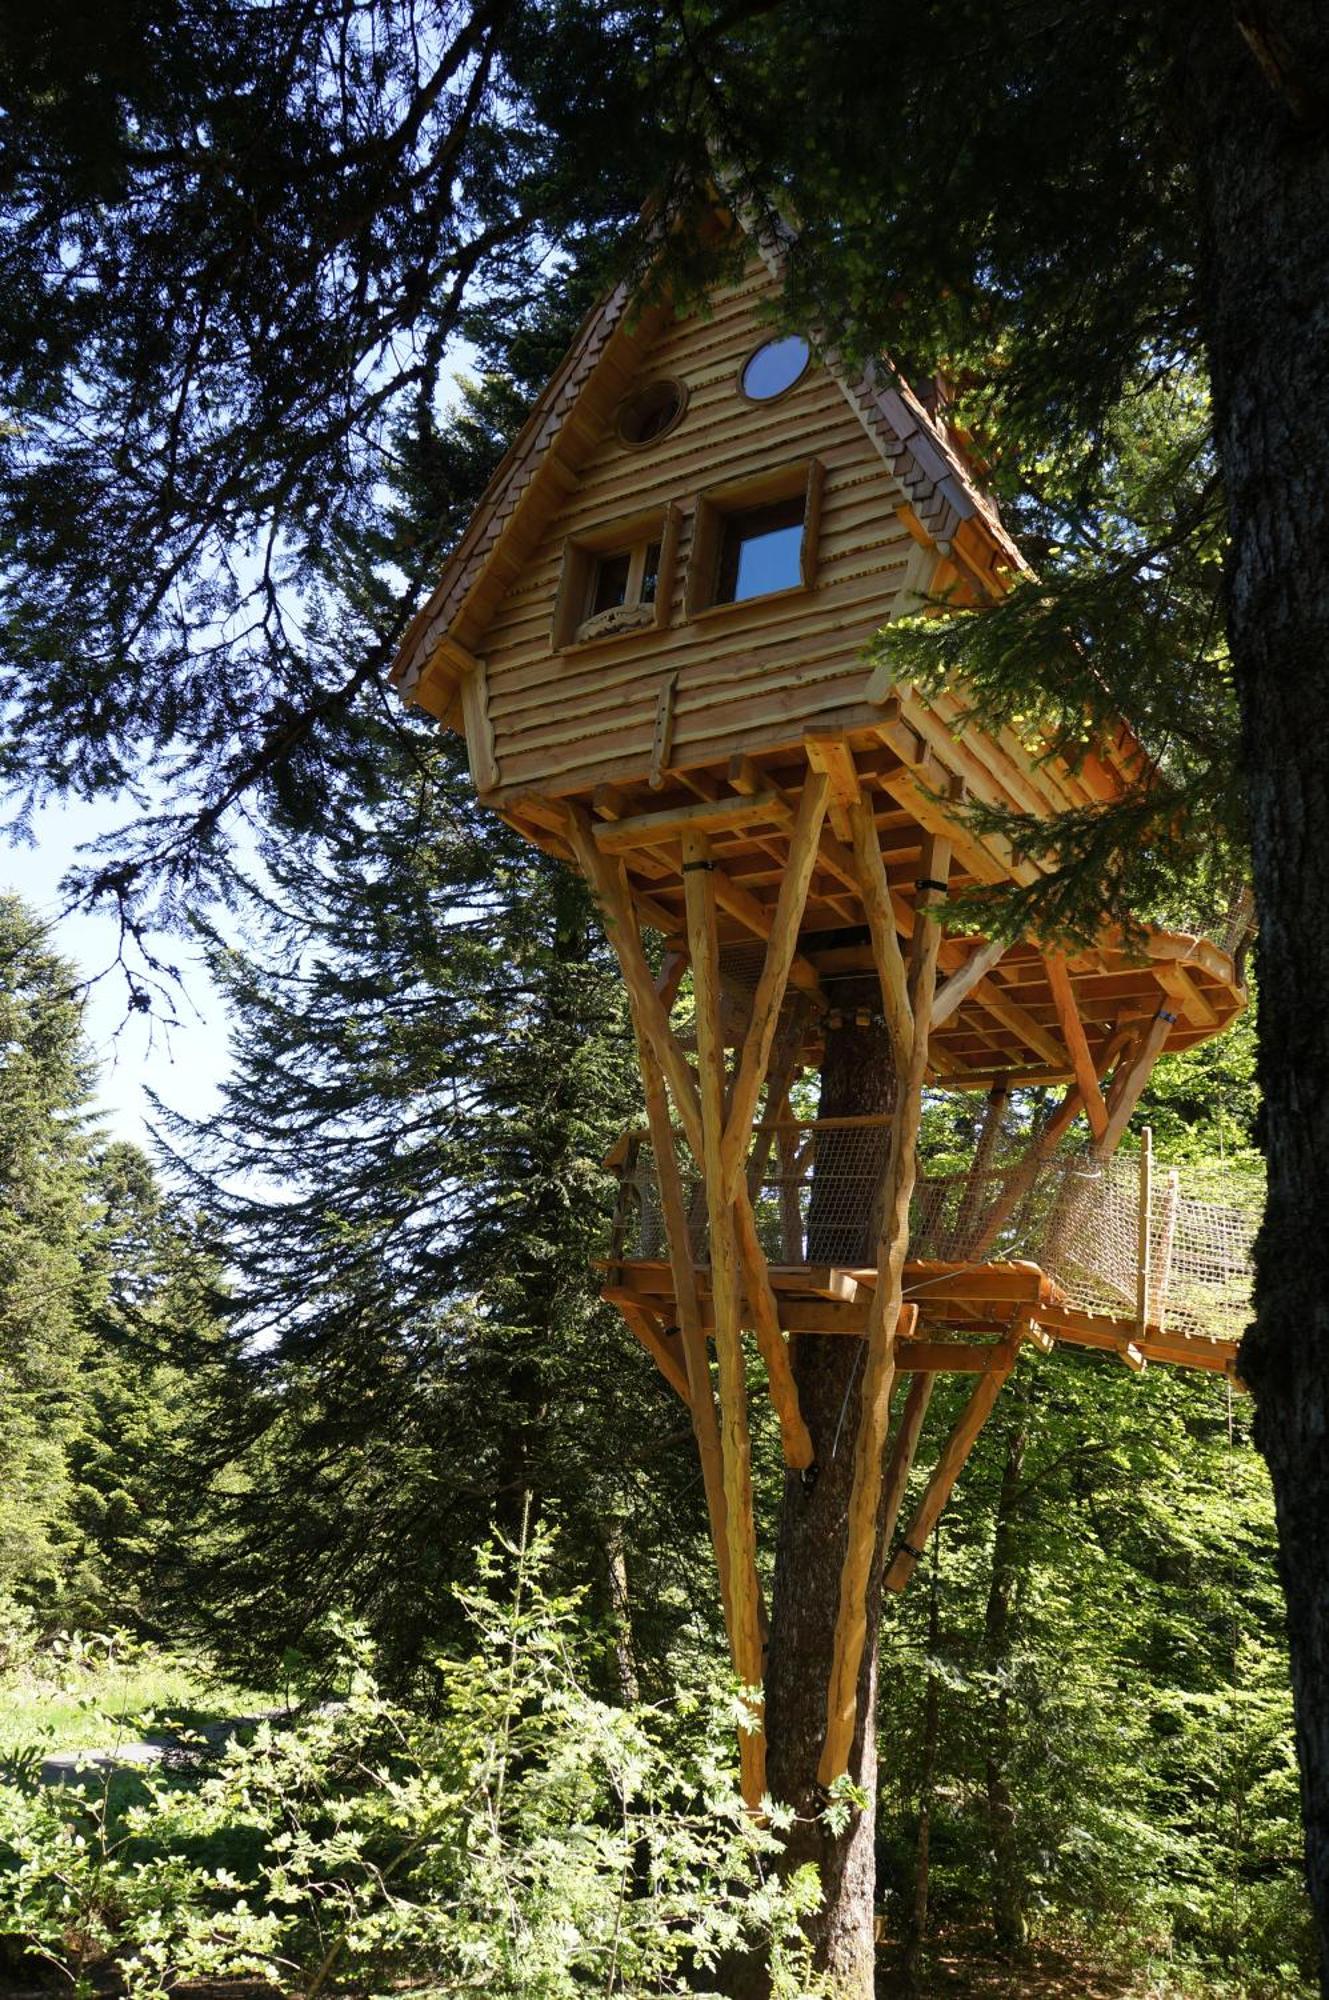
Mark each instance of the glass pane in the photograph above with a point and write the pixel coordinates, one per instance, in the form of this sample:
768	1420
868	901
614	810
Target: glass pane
650	576
775	367
761	551
610	583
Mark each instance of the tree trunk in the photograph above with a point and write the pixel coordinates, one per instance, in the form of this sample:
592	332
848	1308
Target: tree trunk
857	1076
1256	93
1008	1918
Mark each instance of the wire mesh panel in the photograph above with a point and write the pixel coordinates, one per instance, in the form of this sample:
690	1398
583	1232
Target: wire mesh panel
816	1192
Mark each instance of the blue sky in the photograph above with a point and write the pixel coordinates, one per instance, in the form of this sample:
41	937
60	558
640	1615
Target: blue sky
185	1062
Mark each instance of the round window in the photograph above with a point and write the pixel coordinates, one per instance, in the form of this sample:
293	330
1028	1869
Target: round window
774	367
650	412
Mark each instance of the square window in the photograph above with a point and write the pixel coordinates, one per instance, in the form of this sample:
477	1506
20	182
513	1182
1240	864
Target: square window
755	538
760	551
617	580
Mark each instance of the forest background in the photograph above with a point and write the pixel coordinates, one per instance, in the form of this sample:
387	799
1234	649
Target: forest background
266	1397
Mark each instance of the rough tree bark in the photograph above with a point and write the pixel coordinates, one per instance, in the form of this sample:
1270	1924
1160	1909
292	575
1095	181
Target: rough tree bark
857	1076
1255	92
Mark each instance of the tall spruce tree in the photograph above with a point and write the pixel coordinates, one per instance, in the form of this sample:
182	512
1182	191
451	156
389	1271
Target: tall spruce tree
431	1056
47	1215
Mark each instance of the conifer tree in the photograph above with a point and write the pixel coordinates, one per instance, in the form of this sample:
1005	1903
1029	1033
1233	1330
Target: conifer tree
431	1056
47	1213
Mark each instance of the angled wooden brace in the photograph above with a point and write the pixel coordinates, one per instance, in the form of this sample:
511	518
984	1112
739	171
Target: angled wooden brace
947	1469
769	998
726	1298
608	884
883	1316
1077	1046
1019	1182
621	925
665	1349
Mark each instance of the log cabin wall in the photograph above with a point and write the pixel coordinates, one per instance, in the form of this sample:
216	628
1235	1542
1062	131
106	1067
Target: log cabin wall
749	675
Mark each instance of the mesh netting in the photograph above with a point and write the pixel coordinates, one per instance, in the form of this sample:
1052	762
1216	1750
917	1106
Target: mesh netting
816	1189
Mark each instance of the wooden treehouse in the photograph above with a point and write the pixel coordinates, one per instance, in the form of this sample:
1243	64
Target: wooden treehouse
652	635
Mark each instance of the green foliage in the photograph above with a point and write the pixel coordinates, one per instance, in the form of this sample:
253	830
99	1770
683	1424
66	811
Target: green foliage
525	1838
46	1228
426	1072
1138	1709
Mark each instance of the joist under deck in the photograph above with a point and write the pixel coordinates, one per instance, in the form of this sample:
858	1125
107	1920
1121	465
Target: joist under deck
942	1301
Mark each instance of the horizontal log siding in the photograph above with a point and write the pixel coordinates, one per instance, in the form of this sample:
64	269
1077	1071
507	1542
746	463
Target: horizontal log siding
752	674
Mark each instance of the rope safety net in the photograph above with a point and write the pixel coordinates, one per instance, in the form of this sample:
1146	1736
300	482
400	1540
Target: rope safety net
1078	1218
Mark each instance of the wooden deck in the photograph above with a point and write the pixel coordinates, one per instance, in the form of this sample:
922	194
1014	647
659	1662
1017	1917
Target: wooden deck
956	1318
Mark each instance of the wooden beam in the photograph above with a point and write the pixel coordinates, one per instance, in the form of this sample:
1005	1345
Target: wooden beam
946	1471
965	978
699	891
903	1446
479	728
831	755
879	1360
662	738
1129	1084
1077	1047
880	912
990	996
687	1305
619	836
769	997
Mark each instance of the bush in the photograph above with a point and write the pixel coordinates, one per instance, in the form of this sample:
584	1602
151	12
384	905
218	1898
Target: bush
526	1840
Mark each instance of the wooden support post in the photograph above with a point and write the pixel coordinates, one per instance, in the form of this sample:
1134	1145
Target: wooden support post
699	894
945	1473
1142	1228
883	1315
1161	1274
696	1357
1077	1047
780	1075
874	890
769	998
609	889
1022	1178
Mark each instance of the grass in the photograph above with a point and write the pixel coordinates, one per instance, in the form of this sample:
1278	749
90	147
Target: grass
89	1694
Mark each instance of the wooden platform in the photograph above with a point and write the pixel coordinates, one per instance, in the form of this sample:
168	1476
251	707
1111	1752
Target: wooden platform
987	1304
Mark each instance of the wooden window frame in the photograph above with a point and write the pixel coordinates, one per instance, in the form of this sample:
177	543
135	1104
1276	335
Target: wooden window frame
581	553
806	477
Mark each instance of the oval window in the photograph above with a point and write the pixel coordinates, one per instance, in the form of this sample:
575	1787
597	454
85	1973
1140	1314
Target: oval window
650	412
774	367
